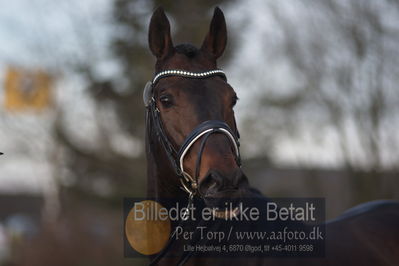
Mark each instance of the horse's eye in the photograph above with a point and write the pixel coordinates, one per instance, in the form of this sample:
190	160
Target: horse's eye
166	100
234	100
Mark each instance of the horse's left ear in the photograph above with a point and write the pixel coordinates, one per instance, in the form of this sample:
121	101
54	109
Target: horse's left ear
215	41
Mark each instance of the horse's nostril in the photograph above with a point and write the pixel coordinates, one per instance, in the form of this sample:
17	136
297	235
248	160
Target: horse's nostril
214	183
210	184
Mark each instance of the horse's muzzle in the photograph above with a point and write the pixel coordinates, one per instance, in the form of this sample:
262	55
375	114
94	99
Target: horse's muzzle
216	188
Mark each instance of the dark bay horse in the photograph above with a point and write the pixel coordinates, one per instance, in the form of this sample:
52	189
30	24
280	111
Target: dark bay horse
192	145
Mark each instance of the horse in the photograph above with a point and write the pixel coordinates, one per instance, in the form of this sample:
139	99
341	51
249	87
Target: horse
192	150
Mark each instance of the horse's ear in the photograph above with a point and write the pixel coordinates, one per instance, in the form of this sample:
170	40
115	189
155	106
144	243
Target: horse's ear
159	37
216	39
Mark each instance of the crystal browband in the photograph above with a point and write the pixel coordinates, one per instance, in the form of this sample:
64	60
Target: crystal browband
187	74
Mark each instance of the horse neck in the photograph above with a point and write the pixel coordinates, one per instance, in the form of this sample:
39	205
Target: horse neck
162	180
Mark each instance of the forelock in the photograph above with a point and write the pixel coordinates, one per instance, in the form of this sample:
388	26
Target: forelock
188	50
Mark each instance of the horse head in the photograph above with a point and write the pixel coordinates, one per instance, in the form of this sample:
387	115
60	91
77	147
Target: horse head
191	108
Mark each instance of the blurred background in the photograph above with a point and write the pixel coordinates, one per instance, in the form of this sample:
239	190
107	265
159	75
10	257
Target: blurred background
318	111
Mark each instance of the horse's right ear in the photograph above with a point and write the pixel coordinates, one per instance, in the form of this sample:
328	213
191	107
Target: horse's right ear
159	37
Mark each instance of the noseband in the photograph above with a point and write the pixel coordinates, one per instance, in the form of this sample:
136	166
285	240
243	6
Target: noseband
204	130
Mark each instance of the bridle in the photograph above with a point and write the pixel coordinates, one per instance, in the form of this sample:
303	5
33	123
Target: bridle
176	156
